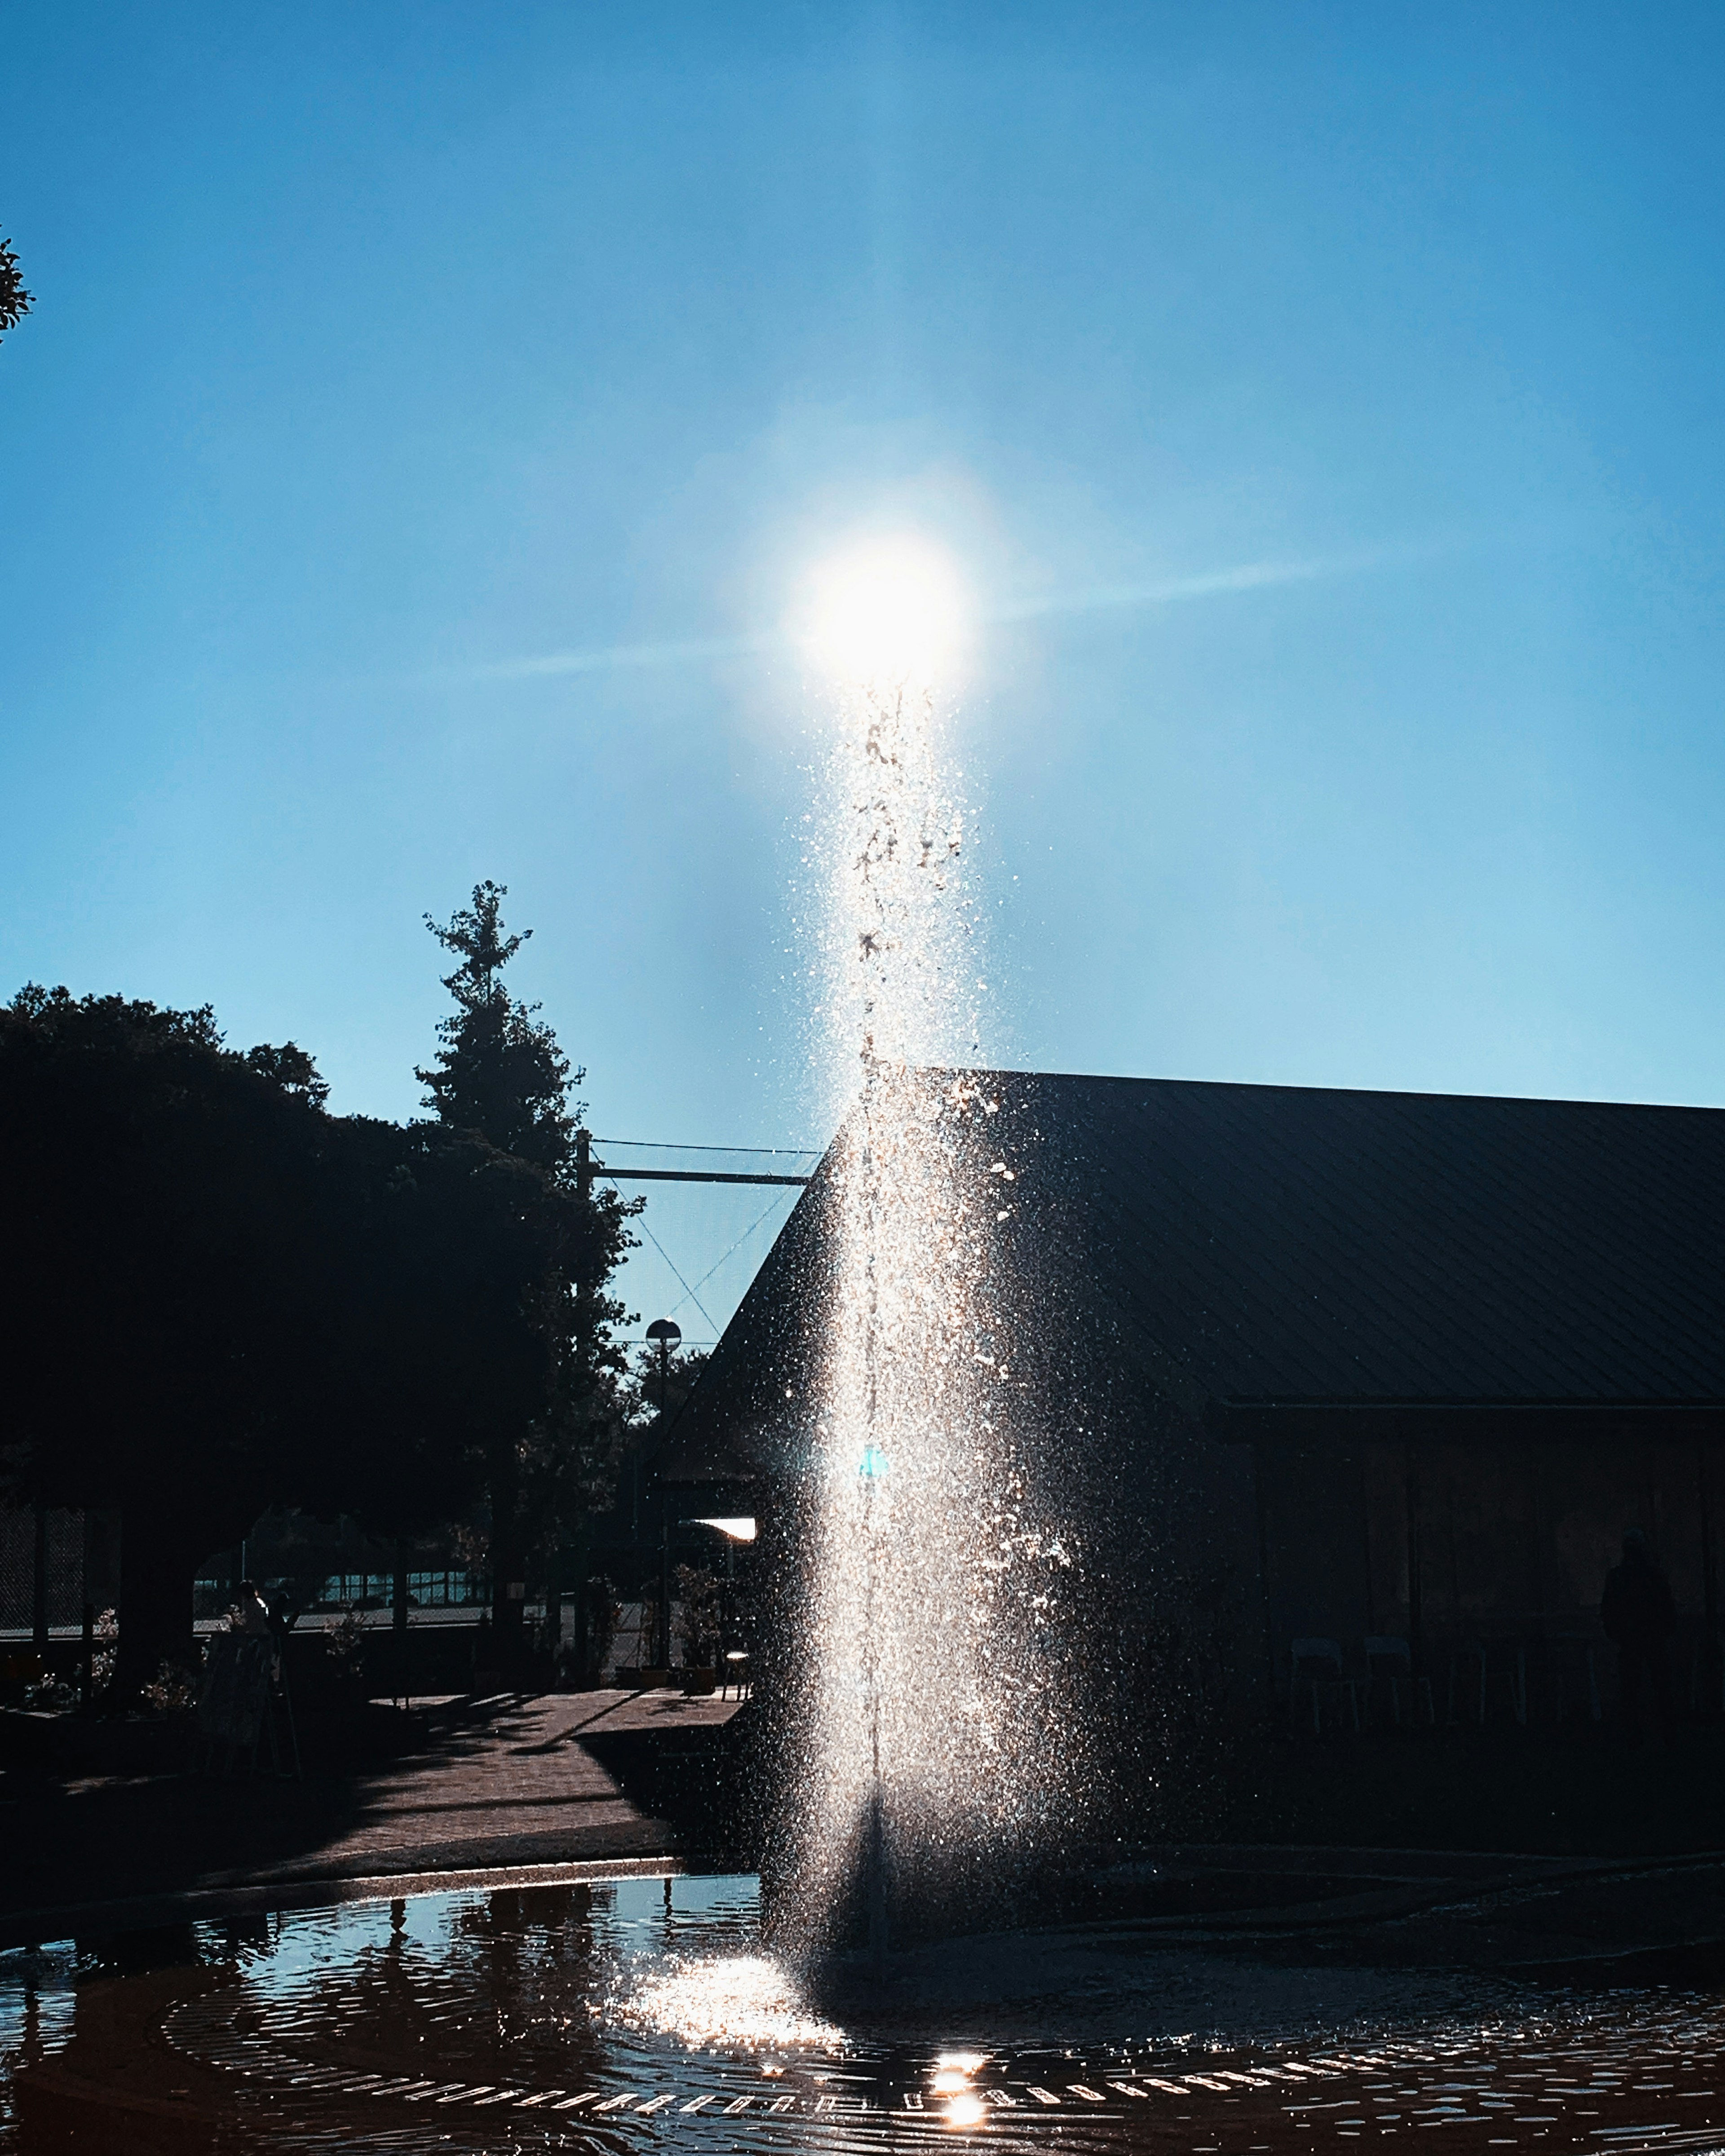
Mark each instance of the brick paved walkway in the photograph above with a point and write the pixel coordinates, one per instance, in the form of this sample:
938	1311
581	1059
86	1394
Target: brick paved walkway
510	1781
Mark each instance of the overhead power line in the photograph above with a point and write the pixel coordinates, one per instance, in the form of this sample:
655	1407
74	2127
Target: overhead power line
667	1145
613	1174
702	1174
686	1175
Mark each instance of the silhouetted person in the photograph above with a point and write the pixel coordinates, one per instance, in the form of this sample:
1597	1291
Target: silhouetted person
1637	1613
250	1613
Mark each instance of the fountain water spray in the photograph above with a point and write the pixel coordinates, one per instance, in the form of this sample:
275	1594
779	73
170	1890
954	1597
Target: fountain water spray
928	1763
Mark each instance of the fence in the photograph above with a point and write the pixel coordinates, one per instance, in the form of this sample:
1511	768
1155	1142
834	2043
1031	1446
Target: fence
447	1587
68	1558
450	1590
72	1558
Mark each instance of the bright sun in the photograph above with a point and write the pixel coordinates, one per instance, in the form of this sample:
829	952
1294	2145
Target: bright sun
889	611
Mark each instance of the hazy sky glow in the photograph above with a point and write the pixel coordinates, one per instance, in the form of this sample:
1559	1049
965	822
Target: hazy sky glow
432	413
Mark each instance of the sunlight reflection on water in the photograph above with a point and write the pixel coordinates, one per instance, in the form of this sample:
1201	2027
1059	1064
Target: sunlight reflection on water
741	2001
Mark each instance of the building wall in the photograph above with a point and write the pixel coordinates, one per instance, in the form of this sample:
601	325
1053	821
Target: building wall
1169	1516
1317	1575
1508	1540
1499	1538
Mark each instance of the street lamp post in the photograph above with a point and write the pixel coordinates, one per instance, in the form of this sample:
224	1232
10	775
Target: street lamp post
666	1333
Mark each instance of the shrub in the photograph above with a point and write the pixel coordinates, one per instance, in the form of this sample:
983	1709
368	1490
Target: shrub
174	1689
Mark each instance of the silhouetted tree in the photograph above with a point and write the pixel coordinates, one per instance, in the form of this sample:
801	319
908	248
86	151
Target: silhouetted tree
500	1075
215	1297
15	302
498	1071
649	1393
156	1201
291	1068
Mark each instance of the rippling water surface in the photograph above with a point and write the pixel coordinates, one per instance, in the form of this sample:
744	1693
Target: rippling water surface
642	2013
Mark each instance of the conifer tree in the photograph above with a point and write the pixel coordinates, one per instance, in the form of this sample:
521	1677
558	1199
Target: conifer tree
498	1072
500	1075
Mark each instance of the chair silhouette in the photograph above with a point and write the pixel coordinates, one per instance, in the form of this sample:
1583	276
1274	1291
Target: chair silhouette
1316	1664
1707	1675
1501	1661
1390	1662
1571	1669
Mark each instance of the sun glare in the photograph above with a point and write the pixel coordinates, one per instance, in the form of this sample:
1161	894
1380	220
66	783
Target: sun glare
888	613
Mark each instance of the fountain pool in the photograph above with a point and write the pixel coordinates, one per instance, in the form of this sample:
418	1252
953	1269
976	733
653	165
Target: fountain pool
644	2013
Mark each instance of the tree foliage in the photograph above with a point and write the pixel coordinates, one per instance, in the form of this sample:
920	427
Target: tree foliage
15	302
501	1077
653	1393
498	1071
217	1296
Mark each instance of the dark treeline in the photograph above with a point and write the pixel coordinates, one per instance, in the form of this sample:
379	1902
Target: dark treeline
219	1297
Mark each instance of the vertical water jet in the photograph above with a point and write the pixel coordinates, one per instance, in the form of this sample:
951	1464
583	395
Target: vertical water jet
924	1772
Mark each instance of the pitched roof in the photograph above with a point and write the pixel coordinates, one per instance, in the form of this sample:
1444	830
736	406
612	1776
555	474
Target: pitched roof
1295	1245
1298	1243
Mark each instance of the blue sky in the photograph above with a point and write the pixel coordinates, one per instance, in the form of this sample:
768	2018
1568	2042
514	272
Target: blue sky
380	348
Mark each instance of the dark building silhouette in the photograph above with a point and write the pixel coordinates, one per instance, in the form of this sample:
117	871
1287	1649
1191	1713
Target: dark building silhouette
1337	1366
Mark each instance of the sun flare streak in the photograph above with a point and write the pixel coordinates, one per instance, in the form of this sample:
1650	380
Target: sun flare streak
902	603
